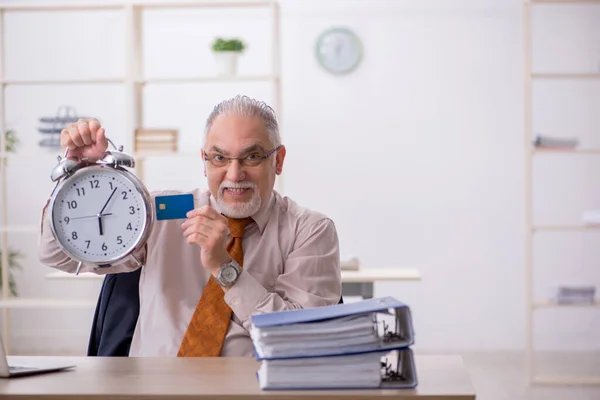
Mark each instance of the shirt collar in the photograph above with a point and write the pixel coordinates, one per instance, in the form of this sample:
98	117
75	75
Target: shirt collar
262	215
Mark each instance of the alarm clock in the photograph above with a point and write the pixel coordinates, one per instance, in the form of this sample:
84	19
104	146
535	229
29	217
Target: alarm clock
100	213
338	50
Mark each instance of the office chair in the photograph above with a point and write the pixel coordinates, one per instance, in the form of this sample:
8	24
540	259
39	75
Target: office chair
116	315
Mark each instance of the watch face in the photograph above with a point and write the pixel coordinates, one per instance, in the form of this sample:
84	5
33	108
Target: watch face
99	215
228	274
339	50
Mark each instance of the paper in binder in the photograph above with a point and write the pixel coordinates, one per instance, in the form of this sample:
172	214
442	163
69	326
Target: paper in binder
350	328
340	346
387	370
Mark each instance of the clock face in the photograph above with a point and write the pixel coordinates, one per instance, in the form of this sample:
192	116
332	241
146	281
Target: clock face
339	50
99	215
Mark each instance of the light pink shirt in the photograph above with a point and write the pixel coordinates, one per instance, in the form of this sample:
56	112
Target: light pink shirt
291	261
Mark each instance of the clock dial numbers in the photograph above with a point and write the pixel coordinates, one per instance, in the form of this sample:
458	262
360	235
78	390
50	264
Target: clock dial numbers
99	216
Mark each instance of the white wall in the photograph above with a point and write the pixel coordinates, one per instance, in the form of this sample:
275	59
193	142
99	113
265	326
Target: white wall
417	156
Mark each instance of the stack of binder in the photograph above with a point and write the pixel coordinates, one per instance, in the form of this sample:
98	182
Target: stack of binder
345	346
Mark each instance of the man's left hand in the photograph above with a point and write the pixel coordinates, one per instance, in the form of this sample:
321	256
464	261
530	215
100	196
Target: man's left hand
208	229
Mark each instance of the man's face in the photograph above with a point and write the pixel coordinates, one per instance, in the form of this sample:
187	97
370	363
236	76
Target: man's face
240	189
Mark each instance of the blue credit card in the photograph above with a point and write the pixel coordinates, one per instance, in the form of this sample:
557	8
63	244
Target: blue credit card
174	206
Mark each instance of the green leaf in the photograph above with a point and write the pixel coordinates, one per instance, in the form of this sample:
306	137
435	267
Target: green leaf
234	44
13	262
12	142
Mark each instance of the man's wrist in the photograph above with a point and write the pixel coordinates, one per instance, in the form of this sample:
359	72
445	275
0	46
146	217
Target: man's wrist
216	269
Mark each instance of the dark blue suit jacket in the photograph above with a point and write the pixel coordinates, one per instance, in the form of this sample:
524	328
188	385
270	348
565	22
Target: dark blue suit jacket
116	315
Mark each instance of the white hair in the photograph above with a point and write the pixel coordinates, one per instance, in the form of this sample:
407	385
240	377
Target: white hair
245	106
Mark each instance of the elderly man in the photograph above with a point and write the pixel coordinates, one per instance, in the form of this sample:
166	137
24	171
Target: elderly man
243	250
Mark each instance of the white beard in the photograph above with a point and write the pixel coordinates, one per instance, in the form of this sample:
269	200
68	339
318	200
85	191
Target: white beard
240	210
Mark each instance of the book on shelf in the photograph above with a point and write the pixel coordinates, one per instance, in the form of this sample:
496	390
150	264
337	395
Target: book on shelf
336	347
155	140
549	142
575	294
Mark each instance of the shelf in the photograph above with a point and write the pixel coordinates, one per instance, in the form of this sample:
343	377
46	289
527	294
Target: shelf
550	304
141	156
122	4
20	228
588	75
21	6
538	150
565	1
205	79
65	81
565	227
566	380
364	275
201	3
56	152
175	79
137	156
381	274
46	303
61	275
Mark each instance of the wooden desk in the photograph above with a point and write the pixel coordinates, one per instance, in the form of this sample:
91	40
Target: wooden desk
354	283
440	378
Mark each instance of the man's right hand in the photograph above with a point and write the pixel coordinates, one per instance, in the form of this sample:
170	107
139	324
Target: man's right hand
84	139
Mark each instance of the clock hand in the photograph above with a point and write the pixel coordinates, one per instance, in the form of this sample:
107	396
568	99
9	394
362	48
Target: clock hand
105	204
100	215
90	216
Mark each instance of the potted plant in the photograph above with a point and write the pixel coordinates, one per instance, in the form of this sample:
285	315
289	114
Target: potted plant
226	53
12	142
13	263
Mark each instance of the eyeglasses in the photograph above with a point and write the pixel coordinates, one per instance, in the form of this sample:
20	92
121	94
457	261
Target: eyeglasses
251	160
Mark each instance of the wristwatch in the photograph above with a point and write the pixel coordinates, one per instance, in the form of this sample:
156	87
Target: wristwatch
228	274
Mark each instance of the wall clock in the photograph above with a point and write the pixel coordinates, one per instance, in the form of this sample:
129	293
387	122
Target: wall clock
338	50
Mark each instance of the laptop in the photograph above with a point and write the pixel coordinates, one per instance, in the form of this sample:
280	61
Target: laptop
40	367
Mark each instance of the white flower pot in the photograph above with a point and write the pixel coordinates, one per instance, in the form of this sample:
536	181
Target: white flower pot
226	62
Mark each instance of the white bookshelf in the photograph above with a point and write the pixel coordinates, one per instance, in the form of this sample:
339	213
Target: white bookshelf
20	228
565	227
566	76
133	82
549	304
70	81
46	303
533	304
203	79
364	275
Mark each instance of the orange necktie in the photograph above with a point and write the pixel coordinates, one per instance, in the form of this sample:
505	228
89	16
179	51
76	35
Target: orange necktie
206	332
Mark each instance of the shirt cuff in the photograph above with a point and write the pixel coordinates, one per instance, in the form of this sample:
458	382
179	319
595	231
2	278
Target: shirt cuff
245	296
